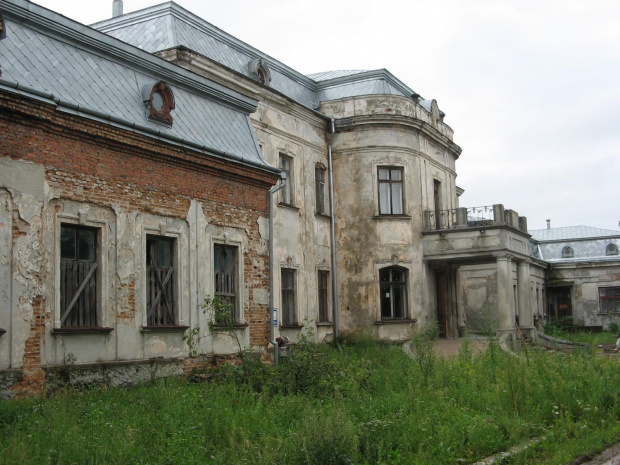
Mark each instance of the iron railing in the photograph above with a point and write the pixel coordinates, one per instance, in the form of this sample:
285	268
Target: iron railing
459	218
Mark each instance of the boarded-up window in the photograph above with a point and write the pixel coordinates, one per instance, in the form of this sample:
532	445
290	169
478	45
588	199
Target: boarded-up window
393	285
286	193
78	276
609	299
288	297
323	293
160	281
390	191
319	181
225	268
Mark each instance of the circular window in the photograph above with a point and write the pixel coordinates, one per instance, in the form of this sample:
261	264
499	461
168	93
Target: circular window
157	101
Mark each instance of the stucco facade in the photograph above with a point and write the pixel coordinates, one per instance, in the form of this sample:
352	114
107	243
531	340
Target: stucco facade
163	147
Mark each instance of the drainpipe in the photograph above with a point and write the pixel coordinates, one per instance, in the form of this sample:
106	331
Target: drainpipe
274	311
333	237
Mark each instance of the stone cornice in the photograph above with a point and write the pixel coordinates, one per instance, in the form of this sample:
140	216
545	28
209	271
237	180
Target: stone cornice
98	43
395	149
407	121
198	63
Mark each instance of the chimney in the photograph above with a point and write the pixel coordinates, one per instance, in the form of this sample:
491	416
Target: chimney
117	8
548	224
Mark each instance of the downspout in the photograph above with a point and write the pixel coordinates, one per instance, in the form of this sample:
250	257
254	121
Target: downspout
333	236
272	310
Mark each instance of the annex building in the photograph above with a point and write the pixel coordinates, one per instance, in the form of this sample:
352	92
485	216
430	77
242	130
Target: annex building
151	161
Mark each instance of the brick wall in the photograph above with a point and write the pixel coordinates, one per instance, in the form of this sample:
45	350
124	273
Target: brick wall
92	162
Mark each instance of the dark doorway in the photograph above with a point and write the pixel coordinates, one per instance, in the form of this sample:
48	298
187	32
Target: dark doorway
560	302
441	278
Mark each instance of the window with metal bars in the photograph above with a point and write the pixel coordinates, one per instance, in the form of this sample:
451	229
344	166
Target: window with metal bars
393	287
78	276
390	191
323	287
288	297
609	299
225	271
160	281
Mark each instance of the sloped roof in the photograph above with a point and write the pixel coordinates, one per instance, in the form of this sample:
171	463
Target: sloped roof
88	73
571	233
325	75
169	25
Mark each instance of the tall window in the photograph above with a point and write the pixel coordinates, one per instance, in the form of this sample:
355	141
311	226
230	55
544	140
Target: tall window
609	299
78	276
225	267
323	296
160	280
390	191
319	181
286	193
437	203
288	297
393	282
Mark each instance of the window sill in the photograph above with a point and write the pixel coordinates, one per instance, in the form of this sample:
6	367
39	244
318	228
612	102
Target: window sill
83	330
391	217
217	326
325	216
397	322
325	323
286	205
163	328
295	326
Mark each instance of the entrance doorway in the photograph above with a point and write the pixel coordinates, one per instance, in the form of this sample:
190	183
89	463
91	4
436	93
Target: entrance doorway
443	320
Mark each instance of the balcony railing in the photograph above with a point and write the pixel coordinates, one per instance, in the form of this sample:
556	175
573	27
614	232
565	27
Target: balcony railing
473	217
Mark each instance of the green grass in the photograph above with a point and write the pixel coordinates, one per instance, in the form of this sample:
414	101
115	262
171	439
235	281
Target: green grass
588	337
368	404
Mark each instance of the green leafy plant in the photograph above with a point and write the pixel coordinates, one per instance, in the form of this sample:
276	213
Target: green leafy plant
222	322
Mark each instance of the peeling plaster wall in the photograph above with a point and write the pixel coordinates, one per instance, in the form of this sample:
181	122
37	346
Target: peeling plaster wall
63	170
368	241
586	279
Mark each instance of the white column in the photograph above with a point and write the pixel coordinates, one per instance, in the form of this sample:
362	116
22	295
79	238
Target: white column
505	294
526	318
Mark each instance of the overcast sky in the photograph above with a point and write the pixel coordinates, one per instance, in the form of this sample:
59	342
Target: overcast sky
530	87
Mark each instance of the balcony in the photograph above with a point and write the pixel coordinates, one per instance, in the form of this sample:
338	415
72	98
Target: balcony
473	217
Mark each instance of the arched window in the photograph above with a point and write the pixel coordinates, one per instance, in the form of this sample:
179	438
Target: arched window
612	249
393	285
567	252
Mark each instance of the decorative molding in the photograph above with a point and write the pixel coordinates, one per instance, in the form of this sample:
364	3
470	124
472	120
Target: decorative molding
159	102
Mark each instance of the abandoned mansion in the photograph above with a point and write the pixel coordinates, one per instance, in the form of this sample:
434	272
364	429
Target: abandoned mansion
151	162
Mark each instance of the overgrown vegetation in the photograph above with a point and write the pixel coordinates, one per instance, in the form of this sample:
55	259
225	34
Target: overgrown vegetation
369	404
562	328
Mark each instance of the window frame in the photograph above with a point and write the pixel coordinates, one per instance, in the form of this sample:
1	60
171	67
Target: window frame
391	183
287	193
611	249
288	316
319	186
324	314
93	316
237	310
612	294
392	284
568	252
173	278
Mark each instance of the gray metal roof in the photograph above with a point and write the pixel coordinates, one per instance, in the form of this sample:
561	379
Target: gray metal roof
571	232
168	25
326	75
87	72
